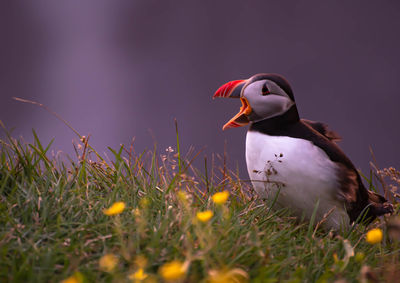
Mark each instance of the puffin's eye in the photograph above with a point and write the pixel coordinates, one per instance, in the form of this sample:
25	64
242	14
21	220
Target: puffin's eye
265	90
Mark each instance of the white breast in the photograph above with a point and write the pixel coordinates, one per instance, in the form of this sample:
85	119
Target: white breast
301	172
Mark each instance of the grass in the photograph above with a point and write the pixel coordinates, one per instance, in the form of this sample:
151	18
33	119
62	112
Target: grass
53	226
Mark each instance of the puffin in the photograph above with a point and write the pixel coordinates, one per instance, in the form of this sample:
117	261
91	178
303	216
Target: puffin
296	163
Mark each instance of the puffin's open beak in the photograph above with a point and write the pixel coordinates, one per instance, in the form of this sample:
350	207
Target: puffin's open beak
233	89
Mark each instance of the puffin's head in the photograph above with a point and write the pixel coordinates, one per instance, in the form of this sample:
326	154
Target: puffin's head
263	96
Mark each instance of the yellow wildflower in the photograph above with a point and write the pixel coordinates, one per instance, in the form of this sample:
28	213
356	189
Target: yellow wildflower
220	197
374	236
204	216
136	212
144	202
182	196
141	261
108	262
173	270
75	278
227	276
335	258
138	276
70	279
115	209
359	256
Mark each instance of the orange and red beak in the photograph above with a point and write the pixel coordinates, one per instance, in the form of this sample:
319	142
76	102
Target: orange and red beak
233	89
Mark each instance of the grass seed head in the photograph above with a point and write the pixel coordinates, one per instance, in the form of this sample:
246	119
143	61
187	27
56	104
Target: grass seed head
393	228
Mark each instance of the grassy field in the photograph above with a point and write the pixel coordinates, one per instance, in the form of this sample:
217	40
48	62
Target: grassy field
55	226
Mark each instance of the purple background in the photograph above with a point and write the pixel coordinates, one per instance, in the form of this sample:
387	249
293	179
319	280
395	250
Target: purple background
124	69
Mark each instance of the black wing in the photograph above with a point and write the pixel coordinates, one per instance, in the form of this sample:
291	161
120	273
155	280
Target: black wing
323	130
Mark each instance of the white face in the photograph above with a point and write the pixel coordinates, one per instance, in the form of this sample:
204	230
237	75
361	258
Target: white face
266	99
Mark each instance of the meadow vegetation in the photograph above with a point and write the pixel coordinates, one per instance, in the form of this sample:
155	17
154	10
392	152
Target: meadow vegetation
152	217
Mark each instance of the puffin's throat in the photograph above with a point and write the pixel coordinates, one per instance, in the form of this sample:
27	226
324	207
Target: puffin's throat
240	119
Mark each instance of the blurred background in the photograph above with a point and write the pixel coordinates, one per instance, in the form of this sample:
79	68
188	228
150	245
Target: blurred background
119	70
